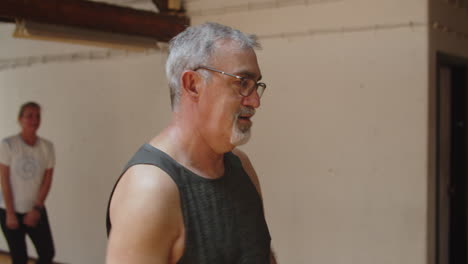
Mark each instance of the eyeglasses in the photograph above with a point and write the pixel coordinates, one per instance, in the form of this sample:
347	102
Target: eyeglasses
247	86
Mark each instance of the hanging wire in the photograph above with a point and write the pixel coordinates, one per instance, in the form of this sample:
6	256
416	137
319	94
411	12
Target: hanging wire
342	30
14	63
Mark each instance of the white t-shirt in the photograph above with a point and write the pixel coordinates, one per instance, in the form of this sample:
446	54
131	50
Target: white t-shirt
27	166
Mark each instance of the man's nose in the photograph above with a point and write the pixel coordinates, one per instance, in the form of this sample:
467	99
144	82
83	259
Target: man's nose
253	100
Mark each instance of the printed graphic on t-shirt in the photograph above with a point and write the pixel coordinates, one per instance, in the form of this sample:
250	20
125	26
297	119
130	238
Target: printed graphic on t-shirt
26	167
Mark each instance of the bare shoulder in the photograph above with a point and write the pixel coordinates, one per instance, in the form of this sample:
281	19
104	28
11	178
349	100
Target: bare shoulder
248	167
239	153
4	170
3	167
143	183
145	216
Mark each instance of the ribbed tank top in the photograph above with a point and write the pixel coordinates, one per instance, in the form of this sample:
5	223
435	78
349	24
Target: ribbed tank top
223	218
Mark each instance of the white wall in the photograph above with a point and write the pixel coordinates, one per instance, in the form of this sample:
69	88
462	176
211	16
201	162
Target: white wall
339	142
97	113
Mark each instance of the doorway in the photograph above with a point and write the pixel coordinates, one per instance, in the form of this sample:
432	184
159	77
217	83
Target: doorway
452	160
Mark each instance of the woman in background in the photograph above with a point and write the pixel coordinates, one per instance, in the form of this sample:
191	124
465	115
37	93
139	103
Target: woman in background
26	167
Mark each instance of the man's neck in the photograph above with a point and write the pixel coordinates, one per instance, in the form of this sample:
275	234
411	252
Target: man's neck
29	138
185	144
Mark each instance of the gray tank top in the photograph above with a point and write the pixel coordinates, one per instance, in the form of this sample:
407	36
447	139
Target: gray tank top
223	218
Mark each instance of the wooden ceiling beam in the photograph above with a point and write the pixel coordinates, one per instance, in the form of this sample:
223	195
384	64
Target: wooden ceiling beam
96	16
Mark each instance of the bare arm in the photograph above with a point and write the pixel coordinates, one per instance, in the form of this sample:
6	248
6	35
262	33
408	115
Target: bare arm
272	257
6	188
249	169
33	216
11	219
45	187
146	218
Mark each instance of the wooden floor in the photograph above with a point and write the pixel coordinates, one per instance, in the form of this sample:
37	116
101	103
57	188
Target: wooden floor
5	259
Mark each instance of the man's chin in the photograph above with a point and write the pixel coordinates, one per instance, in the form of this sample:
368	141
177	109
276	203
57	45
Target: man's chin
244	128
240	138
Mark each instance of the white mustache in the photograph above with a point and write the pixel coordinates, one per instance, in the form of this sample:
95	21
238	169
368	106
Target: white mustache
246	111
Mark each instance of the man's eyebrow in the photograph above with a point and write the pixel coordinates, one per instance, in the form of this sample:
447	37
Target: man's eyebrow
249	75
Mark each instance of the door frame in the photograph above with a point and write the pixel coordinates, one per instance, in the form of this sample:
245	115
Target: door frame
443	148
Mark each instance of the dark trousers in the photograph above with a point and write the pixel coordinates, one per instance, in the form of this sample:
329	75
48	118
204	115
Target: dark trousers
40	235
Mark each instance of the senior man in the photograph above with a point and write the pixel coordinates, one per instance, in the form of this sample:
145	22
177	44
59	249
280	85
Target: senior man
189	196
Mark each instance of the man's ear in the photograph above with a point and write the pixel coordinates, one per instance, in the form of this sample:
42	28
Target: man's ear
191	83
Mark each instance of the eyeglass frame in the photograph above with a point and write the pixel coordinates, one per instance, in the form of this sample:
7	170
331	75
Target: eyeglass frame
254	88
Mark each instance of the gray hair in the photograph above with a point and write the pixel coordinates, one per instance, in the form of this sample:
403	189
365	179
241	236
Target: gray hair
195	46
